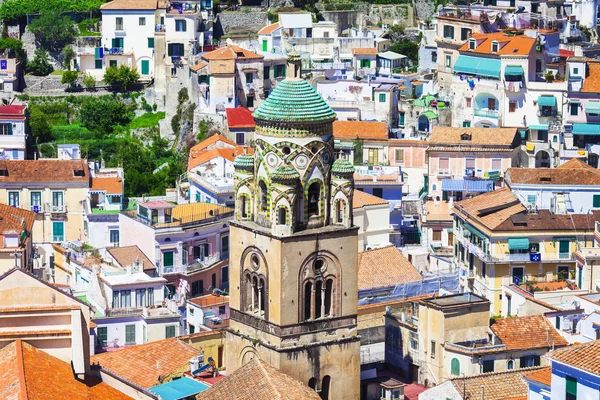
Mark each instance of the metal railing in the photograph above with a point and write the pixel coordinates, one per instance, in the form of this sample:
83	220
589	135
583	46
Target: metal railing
200	264
56	208
486	113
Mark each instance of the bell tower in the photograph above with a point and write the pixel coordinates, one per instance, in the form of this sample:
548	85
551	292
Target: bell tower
294	248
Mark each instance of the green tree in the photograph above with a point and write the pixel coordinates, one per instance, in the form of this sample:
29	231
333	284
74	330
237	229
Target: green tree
53	31
89	81
408	48
68	55
40	66
39	126
123	76
69	77
182	96
13	48
102	115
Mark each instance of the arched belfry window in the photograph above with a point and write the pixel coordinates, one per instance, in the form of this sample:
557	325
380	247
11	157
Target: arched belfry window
314	194
262	193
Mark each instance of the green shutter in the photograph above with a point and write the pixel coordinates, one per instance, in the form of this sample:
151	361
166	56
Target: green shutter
266	73
112	63
401	119
150	43
382	97
145	67
265	46
168	259
597	201
283	70
98	64
10	129
455	366
564	246
114	43
571	385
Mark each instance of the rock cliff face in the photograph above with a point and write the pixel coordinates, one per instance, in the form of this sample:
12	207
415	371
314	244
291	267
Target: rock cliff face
424	9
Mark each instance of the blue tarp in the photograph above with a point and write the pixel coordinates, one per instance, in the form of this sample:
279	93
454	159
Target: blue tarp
179	388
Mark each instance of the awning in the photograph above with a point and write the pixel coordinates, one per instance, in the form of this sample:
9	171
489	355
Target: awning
518	243
453	185
474	231
530	146
540	127
523	133
488	67
479	186
547	101
249	70
97	191
430	114
592	107
513	70
586	129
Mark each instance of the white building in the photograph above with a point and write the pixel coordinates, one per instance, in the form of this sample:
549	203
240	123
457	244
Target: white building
372	216
13	131
206	312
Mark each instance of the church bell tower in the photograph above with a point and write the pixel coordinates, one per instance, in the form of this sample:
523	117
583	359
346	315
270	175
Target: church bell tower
294	248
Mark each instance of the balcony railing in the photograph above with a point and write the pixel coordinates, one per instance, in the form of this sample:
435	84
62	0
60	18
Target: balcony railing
486	113
56	208
199	265
444	171
119	28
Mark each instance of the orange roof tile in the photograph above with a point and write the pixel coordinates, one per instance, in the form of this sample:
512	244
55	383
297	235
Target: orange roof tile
364	51
130	5
217	139
591	84
384	267
36	171
489	209
126	256
576	163
199	66
257	380
208	155
519	45
231	52
267	30
29	373
209	300
109	185
14	220
584	356
530	332
143	364
495	385
361	199
543	376
553	176
445	135
383	179
366	130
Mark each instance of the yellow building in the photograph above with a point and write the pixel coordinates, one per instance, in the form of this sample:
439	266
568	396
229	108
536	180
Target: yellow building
54	189
497	242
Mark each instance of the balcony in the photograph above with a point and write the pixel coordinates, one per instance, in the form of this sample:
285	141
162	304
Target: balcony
469	172
444	172
55	208
487	113
119	28
160	28
199	265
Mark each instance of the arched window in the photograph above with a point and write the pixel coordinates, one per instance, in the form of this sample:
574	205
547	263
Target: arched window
325	387
328	296
318	299
307	300
261	297
249	298
314	194
281	214
455	367
262	192
243	206
510	364
339	215
312	383
254	294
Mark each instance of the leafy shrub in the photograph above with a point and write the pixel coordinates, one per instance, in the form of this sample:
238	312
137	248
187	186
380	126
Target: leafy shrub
40	66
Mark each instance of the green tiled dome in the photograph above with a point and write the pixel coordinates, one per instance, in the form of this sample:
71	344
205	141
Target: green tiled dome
244	161
342	167
284	174
294	100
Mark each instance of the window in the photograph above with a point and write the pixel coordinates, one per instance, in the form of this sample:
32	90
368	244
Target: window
510	364
197	287
399	155
265	46
129	334
169	331
466	124
168	259
373	156
150	297
112	64
118	42
444	164
13	199
534	247
281	216
472	44
487	366
437	235
192	329
249	77
448	61
432	349
455	367
6	129
531	198
36	201
115	302
402	115
378	192
180	25
518	273
496	164
495	46
483	269
224	276
125	298
564	248
114	236
239	138
214	280
58	231
102	336
574	109
448	32
119	24
266	72
57	201
382	97
250	101
529	361
468	102
413	341
571	388
150	43
575	71
140	298
98	64
563	273
596	201
279	71
509	305
142	21
465	33
512	106
470	163
314	194
175	49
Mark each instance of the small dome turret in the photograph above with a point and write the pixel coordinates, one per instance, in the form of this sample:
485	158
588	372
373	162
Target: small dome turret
285	174
342	168
244	162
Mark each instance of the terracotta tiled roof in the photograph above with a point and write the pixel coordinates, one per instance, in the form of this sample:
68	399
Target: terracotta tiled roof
231	52
126	255
591	84
109	185
227	153
13	112
584	356
576	163
257	380
29	373
38	171
364	51
509	45
143	364
239	117
489	209
553	176
444	135
384	267
366	130
211	141
531	332
13	220
267	30
543	376
130	5
362	199
199	66
379	180
209	300
495	385
543	220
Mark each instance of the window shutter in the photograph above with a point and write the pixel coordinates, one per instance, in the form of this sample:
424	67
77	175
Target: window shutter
114	43
170	49
596	200
10	129
571	385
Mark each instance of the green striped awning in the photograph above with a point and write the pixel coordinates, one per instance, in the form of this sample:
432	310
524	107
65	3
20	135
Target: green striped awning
513	70
474	231
430	114
539	127
488	67
586	129
592	107
547	101
518	243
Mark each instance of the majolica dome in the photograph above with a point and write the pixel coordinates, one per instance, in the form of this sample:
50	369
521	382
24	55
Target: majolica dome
244	161
294	100
342	168
285	174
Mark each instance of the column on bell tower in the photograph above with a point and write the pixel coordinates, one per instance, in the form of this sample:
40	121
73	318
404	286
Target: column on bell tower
285	180
244	187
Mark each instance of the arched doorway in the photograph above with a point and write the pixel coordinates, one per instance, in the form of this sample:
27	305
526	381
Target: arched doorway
423	123
542	159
